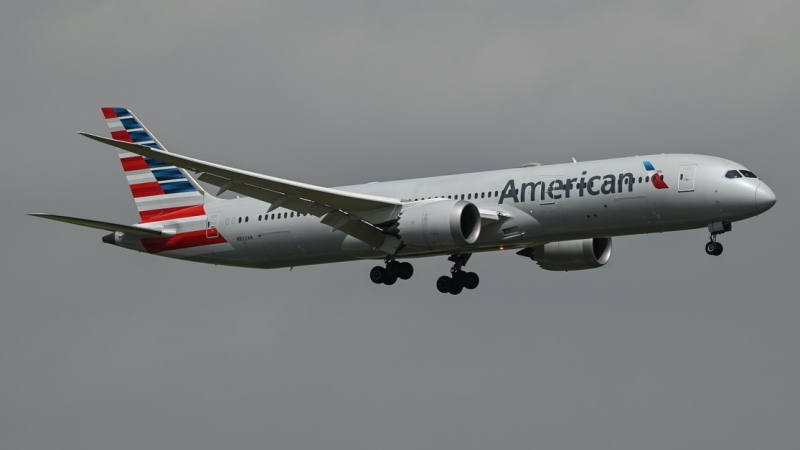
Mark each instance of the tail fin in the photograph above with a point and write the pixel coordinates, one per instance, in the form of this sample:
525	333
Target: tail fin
157	188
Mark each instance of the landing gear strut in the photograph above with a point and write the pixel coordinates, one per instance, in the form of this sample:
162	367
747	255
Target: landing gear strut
713	247
458	279
392	271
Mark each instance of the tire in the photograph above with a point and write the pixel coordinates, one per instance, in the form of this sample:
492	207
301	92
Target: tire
455	290
390	279
711	247
444	283
406	271
377	274
472	280
717	249
393	268
460	278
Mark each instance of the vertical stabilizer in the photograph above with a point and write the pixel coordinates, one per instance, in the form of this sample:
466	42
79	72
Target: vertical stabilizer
157	188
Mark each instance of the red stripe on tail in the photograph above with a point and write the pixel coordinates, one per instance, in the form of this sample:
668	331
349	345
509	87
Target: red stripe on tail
146	189
133	163
181	241
121	135
181	212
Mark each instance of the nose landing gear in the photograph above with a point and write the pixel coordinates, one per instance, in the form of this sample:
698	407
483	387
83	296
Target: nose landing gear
458	280
713	247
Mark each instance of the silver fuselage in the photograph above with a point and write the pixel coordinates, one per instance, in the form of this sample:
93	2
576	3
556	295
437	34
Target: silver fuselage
537	204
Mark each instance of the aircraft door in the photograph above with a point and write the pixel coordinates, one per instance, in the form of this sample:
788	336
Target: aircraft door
212	226
686	178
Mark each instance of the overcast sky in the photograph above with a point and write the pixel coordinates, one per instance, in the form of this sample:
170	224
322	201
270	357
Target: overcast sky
663	348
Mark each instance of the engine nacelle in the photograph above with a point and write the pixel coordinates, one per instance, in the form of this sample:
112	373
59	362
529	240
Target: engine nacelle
440	225
571	255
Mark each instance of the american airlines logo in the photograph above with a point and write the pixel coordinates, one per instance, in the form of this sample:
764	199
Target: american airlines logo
578	187
655	176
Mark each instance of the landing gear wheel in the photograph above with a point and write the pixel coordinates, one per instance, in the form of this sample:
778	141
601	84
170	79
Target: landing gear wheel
377	274
472	280
393	268
444	283
390	279
714	248
460	278
456	289
406	271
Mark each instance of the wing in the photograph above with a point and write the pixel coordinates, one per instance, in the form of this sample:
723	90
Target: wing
352	213
108	226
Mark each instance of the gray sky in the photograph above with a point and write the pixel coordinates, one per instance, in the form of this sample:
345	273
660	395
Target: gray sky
663	348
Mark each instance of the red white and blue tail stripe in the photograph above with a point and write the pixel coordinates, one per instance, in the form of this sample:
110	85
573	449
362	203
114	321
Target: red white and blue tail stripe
157	188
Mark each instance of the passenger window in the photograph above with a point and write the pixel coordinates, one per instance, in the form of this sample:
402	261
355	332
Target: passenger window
748	174
246	218
640	179
733	174
469	196
259	217
483	194
495	194
292	214
240	220
647	179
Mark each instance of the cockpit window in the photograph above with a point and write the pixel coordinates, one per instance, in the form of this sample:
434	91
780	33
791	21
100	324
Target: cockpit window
748	174
733	174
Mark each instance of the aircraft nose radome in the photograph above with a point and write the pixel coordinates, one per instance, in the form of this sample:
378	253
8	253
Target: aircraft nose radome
765	198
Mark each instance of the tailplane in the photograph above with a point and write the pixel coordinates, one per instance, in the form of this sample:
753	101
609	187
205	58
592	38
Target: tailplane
157	188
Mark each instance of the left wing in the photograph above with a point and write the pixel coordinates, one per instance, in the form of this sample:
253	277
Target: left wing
352	213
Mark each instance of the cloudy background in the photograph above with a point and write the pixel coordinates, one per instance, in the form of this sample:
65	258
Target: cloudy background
663	348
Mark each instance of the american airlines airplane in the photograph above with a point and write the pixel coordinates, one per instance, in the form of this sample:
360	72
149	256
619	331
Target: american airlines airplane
562	216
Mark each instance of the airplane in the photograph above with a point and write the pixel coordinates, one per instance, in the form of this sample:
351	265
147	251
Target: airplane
562	216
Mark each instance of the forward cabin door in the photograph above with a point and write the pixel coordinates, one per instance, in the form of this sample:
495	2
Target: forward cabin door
212	226
686	178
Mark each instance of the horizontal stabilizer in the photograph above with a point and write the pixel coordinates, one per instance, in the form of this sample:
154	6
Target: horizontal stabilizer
108	226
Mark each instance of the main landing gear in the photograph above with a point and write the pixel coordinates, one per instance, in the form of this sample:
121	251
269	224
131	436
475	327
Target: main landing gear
393	271
458	280
713	247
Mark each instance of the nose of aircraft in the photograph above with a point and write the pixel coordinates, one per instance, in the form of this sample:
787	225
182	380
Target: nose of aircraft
765	198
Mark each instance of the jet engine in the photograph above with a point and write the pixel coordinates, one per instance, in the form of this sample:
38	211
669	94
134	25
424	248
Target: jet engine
440	225
571	255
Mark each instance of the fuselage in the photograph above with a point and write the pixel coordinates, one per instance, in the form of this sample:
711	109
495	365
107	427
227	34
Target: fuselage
560	202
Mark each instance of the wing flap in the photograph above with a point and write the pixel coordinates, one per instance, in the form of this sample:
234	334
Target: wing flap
99	225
